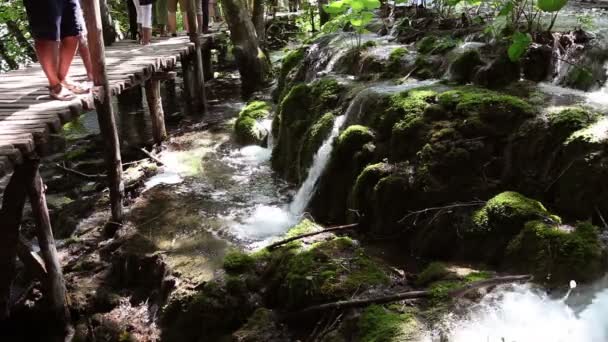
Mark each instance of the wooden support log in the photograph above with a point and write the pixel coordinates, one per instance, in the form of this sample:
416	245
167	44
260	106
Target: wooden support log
163	75
344	304
199	78
298	237
207	63
157	116
54	283
103	104
187	78
10	221
32	261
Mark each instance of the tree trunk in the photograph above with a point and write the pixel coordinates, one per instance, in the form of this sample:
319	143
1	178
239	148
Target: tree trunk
258	20
12	64
323	16
251	61
109	30
10	216
14	29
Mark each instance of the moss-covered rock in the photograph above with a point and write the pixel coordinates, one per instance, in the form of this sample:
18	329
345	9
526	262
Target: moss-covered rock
247	128
326	271
290	65
379	324
435	45
463	68
433	272
302	109
499	73
263	325
556	253
237	261
364	186
313	140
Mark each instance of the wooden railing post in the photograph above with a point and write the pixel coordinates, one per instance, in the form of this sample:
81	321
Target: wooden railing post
103	105
54	283
157	116
199	77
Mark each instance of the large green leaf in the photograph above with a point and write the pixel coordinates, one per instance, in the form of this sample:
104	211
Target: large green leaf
521	42
336	7
371	4
361	19
551	5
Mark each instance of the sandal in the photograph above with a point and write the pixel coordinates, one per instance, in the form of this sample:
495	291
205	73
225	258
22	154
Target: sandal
75	88
58	92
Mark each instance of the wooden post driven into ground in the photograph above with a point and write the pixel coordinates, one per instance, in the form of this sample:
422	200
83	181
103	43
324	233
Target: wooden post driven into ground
103	105
159	132
199	78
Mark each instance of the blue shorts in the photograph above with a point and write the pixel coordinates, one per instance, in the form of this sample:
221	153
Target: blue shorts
54	19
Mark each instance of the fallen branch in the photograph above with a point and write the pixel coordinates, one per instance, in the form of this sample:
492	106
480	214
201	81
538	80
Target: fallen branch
298	237
451	206
78	173
414	295
153	157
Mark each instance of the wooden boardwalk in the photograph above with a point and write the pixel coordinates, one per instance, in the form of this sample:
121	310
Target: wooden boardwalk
28	115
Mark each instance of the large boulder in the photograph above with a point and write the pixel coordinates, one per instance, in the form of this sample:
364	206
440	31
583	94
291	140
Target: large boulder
247	128
499	73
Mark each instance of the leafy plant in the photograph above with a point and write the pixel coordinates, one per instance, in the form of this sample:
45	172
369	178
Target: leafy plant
519	45
357	13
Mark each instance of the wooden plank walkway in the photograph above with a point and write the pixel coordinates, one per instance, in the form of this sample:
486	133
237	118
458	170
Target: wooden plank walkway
28	115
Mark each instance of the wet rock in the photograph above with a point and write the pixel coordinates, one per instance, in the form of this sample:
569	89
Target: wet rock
288	75
537	64
499	73
378	323
463	68
555	253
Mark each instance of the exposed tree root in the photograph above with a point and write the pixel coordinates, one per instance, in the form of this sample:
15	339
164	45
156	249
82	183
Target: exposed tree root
328	230
413	295
439	209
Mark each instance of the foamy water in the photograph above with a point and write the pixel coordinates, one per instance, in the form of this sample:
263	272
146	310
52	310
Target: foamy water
523	314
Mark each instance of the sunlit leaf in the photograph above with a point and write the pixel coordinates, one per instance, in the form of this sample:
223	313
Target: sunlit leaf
551	5
519	46
371	4
362	19
336	7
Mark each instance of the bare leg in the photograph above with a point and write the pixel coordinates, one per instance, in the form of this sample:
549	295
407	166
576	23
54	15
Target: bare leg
67	50
147	36
199	20
83	51
172	22
47	51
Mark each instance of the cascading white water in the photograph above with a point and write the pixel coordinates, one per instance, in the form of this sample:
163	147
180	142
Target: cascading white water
526	315
304	194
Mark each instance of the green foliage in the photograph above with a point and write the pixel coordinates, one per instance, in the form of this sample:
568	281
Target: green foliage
519	45
551	5
357	13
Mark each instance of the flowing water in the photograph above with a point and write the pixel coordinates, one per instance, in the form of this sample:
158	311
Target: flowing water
523	314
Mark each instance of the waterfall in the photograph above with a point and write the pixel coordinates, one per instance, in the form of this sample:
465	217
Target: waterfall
525	315
267	125
300	201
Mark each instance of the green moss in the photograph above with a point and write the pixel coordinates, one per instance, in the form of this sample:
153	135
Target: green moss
365	183
247	129
378	324
566	121
477	276
440	290
327	270
580	78
433	272
397	54
556	254
315	137
237	261
299	111
490	106
304	227
509	209
352	139
290	62
368	44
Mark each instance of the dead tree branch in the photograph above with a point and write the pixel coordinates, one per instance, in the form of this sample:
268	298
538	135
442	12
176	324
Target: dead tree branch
414	295
78	173
298	237
451	206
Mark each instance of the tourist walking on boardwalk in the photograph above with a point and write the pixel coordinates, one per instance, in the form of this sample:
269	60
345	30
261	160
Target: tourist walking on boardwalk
144	20
161	16
56	29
